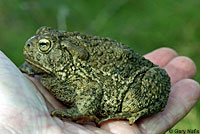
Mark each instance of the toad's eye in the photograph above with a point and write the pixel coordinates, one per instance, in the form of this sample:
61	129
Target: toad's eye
44	45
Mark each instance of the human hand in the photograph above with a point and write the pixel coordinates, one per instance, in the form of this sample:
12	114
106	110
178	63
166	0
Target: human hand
26	105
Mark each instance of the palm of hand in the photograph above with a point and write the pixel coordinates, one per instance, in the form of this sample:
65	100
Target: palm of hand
25	104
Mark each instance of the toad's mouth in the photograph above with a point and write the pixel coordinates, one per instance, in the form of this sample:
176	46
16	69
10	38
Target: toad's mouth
38	69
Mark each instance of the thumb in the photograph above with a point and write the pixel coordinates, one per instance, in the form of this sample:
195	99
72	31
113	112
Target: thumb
20	102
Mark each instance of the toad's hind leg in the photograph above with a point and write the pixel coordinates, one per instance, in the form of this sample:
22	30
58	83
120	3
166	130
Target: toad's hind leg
149	95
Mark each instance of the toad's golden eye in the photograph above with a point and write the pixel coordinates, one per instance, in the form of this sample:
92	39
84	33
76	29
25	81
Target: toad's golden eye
44	45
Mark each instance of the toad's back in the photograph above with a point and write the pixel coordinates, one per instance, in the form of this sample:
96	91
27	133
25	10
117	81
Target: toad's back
114	66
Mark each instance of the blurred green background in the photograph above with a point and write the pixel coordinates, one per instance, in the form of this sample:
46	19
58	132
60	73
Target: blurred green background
144	25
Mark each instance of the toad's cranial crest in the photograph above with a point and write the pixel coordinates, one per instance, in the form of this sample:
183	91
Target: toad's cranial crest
97	78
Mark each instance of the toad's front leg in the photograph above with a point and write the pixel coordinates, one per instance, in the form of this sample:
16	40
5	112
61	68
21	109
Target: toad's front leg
85	106
74	114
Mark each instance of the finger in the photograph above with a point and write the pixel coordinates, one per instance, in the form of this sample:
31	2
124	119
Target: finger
68	127
120	127
183	96
180	68
7	67
96	130
161	56
19	96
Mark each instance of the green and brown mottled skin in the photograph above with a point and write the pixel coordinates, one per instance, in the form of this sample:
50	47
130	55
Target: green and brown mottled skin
95	77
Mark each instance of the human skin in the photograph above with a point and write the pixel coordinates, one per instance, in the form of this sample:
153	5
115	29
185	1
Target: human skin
26	105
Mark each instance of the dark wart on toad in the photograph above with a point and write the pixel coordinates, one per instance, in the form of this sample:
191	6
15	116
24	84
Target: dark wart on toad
97	78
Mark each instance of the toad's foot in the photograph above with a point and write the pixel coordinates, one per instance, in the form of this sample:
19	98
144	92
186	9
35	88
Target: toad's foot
132	117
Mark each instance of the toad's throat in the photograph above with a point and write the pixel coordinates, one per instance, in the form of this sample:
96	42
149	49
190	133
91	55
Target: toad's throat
38	68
